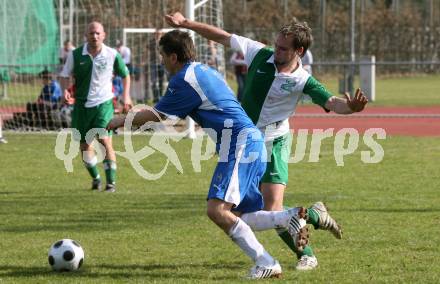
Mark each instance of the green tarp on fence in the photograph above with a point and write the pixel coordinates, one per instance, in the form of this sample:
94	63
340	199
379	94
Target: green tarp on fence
28	35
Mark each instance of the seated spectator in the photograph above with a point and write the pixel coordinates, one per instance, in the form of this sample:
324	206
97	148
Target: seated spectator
49	98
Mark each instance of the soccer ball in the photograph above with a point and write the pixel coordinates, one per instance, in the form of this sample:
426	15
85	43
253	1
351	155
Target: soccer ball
66	255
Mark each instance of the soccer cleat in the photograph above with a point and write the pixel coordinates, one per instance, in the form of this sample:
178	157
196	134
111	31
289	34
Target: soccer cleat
110	187
307	263
96	184
260	272
326	222
3	140
297	228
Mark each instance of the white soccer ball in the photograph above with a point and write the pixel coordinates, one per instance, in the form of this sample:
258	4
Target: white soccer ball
66	255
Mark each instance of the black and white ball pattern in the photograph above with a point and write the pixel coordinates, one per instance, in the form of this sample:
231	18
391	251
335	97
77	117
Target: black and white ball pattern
66	255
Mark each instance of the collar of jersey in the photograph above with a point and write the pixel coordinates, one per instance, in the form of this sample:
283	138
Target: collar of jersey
86	52
271	60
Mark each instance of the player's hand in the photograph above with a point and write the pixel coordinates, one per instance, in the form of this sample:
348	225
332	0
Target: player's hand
68	97
175	20
116	122
128	105
358	102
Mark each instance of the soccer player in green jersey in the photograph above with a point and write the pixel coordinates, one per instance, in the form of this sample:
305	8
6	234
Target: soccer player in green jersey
274	85
92	65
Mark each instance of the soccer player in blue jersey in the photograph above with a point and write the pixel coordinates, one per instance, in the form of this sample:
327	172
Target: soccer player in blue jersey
234	199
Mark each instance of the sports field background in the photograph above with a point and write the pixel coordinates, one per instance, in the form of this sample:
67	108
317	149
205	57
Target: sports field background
158	232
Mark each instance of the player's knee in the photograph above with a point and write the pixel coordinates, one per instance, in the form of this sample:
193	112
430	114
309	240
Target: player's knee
90	161
107	143
273	205
214	214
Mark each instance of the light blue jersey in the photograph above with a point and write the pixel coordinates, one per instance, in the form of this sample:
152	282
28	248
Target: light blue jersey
201	92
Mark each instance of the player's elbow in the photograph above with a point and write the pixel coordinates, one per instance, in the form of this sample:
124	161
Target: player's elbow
331	103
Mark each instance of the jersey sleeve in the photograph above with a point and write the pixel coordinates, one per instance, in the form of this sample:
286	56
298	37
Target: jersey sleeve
248	47
68	66
317	92
119	66
178	101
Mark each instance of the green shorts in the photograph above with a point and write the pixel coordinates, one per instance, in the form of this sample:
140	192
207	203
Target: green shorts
277	170
84	118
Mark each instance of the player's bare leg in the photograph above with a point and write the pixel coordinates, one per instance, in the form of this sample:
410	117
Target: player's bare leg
220	213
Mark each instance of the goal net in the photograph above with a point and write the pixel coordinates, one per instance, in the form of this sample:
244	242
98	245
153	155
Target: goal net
32	34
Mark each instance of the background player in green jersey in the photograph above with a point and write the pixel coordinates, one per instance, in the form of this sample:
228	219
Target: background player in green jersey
92	66
274	85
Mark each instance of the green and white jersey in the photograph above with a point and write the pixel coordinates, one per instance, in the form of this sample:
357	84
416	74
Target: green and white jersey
271	97
93	75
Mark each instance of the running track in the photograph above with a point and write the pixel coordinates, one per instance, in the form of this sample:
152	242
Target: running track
404	121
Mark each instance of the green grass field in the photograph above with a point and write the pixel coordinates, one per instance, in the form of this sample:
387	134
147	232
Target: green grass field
157	231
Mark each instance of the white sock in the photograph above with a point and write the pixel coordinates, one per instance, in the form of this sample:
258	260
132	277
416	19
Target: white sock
242	235
90	161
1	134
266	220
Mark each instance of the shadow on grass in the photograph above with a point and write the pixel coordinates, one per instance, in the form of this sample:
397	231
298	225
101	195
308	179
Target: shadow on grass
132	271
9	192
21	271
394	210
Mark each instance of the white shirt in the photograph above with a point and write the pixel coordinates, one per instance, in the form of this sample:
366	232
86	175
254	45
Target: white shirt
101	88
283	95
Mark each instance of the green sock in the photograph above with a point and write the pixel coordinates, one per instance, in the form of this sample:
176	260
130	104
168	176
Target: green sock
287	239
93	171
110	171
313	218
307	251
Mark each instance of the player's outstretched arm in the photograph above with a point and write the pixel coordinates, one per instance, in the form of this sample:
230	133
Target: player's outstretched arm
139	119
177	20
347	105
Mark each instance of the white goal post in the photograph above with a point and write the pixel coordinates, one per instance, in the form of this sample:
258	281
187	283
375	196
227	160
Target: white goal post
202	48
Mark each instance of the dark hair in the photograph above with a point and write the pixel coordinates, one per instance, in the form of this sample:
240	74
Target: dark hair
301	32
45	74
180	43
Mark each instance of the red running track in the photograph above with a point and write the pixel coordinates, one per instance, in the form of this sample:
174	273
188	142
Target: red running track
405	121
